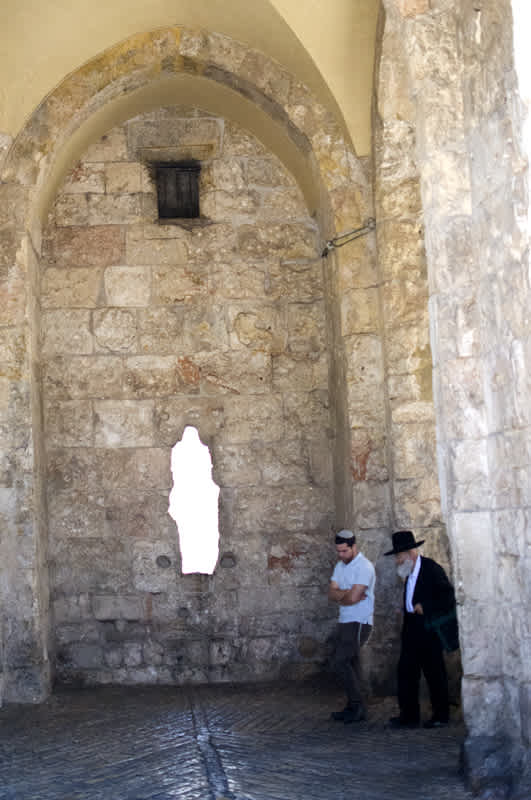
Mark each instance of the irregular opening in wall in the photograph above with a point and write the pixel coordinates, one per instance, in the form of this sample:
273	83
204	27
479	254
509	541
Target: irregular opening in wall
194	503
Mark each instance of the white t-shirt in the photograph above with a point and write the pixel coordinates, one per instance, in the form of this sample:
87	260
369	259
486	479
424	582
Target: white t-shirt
358	571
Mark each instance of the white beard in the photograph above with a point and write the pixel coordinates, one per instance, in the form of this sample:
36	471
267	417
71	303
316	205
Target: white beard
404	570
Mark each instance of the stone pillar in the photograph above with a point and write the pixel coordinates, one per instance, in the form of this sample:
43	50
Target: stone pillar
23	571
474	197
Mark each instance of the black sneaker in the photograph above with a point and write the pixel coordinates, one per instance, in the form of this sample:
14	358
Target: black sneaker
355	715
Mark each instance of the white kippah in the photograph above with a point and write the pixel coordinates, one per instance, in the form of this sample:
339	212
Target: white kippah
345	534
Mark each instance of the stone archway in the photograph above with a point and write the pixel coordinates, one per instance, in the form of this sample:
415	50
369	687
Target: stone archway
140	74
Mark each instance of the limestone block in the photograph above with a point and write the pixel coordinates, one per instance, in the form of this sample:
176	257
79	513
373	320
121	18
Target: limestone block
147	575
111	607
368	455
459	386
446	186
153	653
520	359
268	172
85	632
71	288
469	475
116	209
238	142
152	376
223	51
481	649
257	508
257	417
141	251
483	699
113	656
96	566
299	280
304	374
306	330
177	283
409	347
258	328
204	413
473	542
239	280
371	504
127	423
509	529
160	330
359	312
410	8
285	463
309	411
69	423
12	350
127	286
173	133
132	654
241	372
414	449
66	331
115	330
267	75
223	174
85	178
447	246
290	240
138	513
85	656
73	377
71	209
221	206
405	300
98	246
410	411
76	514
124	178
111	147
401	248
215	242
73	608
418	501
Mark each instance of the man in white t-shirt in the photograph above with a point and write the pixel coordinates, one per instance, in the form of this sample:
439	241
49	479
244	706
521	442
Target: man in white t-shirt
352	587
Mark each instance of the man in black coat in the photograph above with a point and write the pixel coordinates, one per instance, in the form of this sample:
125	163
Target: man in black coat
430	625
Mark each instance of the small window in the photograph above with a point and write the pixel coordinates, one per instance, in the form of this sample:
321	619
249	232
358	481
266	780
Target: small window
178	190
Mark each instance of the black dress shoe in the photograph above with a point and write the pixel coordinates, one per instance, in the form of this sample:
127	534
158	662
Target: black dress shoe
435	723
402	722
349	715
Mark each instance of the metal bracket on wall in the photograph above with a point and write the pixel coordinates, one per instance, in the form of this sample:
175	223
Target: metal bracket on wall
349	236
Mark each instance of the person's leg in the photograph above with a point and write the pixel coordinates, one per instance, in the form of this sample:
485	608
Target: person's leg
346	665
409	666
434	670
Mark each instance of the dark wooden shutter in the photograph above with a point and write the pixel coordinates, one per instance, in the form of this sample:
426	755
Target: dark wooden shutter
178	190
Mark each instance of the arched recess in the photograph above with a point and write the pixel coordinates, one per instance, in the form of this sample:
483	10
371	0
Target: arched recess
142	73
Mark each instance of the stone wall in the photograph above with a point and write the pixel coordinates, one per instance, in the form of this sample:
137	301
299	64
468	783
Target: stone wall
148	327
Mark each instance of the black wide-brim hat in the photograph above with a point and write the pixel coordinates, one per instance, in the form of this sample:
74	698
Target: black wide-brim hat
402	541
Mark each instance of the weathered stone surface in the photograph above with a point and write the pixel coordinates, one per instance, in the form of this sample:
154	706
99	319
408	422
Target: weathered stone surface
67	331
71	288
95	246
124	423
128	286
115	330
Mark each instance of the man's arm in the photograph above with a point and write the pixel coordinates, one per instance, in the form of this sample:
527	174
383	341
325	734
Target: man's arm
346	597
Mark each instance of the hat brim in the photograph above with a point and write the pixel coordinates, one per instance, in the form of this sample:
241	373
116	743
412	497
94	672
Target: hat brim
395	552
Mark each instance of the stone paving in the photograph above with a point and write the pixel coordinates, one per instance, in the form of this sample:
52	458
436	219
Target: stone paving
253	742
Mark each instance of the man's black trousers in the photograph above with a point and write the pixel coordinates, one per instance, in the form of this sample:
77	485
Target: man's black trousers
421	651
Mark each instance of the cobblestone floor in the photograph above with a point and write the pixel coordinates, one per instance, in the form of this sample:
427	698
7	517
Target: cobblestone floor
261	742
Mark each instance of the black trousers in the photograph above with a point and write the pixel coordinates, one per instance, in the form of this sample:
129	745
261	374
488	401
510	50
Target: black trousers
421	652
346	660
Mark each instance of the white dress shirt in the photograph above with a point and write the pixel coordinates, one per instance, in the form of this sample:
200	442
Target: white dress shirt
411	583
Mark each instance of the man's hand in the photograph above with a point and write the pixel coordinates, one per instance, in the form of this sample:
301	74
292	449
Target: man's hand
417	608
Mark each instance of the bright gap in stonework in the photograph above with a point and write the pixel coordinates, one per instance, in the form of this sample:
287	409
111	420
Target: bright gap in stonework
194	503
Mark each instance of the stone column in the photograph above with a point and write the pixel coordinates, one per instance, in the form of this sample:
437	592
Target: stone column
474	196
23	569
